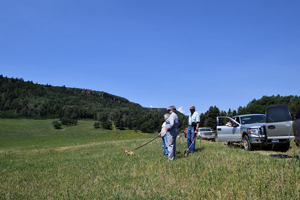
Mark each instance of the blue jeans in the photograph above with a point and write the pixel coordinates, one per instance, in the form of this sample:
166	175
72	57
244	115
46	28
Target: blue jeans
164	142
190	135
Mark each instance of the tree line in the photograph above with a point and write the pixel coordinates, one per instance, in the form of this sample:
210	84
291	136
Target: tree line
25	99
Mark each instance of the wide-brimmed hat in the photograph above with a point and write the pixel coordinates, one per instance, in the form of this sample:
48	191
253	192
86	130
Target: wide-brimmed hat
171	108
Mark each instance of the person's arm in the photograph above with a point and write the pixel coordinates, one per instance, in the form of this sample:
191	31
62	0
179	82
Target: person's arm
197	127
198	123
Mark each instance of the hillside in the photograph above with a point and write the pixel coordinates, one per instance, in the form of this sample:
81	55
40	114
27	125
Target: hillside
25	99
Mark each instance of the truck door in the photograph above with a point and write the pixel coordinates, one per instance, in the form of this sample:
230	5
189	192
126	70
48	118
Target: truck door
297	127
279	122
228	134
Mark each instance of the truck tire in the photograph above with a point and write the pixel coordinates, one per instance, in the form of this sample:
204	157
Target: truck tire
247	145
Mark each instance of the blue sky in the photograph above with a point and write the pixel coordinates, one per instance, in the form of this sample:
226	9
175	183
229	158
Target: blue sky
156	53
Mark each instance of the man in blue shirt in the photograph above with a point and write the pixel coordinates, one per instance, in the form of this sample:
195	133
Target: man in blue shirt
194	121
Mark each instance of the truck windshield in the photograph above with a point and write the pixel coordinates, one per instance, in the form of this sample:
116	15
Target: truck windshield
205	129
253	119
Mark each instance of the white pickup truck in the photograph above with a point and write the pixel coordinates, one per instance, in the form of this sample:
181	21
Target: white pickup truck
273	128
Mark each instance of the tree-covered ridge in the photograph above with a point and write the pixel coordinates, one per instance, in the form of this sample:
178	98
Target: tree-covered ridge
208	119
30	100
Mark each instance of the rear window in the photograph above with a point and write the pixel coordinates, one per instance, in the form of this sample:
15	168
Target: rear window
298	114
278	114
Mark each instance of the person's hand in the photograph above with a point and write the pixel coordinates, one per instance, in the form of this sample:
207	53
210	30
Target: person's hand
158	135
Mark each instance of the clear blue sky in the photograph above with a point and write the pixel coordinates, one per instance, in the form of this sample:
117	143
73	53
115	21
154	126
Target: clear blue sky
156	53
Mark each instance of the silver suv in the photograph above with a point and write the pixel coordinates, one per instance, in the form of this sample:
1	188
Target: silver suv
274	128
206	133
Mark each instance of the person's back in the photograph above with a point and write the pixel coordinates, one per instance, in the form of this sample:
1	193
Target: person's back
172	124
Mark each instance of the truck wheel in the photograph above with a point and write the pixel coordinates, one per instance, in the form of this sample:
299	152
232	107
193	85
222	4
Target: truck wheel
297	142
247	144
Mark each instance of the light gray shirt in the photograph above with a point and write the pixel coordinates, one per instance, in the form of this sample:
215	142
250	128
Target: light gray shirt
163	131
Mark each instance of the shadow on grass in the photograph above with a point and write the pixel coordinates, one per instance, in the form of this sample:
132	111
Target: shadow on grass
263	148
235	145
180	155
284	156
200	149
268	149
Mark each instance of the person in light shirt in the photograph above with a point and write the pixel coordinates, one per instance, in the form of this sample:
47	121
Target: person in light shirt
194	121
163	134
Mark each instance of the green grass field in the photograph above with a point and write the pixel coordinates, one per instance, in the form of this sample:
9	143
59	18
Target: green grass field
80	162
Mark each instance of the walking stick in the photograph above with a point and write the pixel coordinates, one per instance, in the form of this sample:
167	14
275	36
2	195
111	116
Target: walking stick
146	143
186	152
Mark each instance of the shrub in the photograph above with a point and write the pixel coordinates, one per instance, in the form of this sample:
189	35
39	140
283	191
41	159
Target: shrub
106	125
97	124
68	121
56	124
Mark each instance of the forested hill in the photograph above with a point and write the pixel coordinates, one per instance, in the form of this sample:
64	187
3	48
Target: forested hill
26	99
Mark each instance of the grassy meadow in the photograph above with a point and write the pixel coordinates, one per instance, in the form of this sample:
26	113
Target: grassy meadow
80	162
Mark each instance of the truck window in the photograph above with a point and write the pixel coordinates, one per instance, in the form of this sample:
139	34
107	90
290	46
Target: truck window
253	119
223	121
278	114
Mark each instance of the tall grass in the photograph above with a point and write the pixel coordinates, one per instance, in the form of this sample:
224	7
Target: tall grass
101	170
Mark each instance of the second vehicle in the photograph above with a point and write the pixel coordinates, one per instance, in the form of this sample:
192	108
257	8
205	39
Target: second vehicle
206	133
